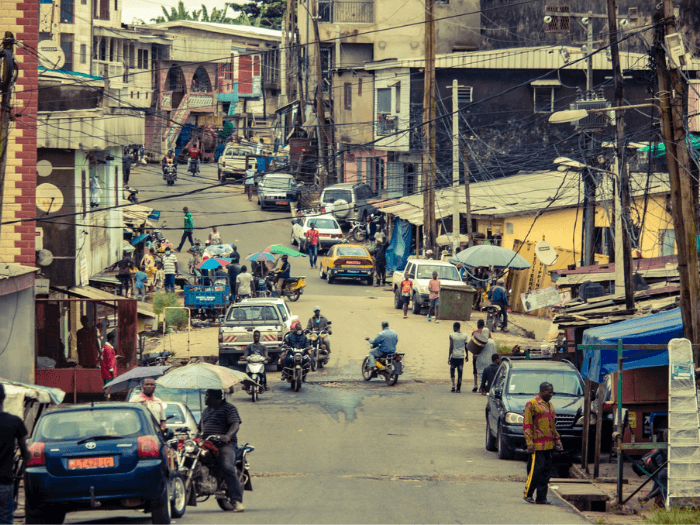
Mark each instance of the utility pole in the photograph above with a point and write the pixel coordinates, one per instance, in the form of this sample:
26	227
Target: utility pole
465	161
455	165
672	91
7	72
623	259
429	113
320	110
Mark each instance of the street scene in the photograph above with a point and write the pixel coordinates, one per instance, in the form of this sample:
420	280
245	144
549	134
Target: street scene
349	262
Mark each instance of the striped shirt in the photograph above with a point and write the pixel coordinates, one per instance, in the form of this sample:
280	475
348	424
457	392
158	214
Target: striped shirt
540	425
169	262
219	420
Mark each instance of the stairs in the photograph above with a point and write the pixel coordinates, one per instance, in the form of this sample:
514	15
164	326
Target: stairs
178	118
683	427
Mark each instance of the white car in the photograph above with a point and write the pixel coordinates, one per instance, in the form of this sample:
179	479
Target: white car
420	271
329	232
178	416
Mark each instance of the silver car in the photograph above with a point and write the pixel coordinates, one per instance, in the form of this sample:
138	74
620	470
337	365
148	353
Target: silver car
275	190
178	416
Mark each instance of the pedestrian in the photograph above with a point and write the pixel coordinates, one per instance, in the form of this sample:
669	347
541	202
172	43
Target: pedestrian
140	279
380	261
483	360
457	356
232	270
221	418
243	282
12	431
142	153
429	255
123	274
541	438
214	236
479	329
170	270
148	265
249	181
108	360
489	373
188	229
88	346
126	167
150	401
259	148
158	278
312	244
406	287
434	297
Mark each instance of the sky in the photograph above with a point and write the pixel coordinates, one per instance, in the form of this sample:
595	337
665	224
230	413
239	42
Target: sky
147	9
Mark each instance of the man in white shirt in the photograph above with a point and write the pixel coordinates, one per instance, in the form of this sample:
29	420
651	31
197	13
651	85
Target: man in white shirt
243	282
170	270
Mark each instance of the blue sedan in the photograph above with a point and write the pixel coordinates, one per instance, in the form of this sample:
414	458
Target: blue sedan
101	456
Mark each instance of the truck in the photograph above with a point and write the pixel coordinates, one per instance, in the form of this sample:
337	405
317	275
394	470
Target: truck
207	296
232	162
420	271
271	316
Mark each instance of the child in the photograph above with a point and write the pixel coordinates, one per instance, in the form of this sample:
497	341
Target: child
434	297
159	278
140	285
406	287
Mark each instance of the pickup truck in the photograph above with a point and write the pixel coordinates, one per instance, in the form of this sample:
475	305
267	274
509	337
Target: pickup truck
232	162
420	271
270	316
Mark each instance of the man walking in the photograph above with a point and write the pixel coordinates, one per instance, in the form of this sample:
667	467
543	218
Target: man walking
312	244
189	228
170	270
541	437
489	373
380	262
249	181
126	166
151	402
406	288
12	430
434	297
457	356
243	282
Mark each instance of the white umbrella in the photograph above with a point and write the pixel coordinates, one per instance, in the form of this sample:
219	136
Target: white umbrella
203	376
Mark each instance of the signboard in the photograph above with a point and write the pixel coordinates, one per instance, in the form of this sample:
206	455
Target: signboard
41	287
542	298
84	273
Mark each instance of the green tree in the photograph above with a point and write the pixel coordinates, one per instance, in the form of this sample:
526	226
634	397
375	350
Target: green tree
218	16
263	13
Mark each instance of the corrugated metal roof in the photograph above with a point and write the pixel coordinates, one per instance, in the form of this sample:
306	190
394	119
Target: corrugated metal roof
266	34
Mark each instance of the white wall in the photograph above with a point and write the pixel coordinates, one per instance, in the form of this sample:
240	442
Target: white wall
17	332
388	78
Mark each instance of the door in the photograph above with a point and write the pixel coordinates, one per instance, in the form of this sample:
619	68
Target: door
394	179
494	404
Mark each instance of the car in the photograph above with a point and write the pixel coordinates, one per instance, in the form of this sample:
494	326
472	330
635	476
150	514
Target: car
347	261
420	271
232	162
348	201
516	382
329	232
178	417
101	456
275	189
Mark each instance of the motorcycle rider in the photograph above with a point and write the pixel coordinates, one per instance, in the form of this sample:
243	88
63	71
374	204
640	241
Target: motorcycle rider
296	339
318	323
221	418
283	272
167	160
386	342
195	153
499	297
255	348
370	227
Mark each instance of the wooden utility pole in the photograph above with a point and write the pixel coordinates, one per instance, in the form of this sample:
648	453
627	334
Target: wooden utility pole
7	72
625	259
672	91
465	161
429	145
320	110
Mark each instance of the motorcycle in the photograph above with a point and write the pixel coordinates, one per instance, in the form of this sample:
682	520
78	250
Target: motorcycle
319	351
293	286
170	174
296	374
193	168
358	230
262	287
255	368
392	369
132	196
198	462
156	358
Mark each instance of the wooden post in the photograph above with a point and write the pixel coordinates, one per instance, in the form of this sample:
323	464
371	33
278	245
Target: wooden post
429	145
320	110
598	431
586	425
5	109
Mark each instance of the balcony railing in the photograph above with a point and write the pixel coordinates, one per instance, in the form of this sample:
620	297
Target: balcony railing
345	12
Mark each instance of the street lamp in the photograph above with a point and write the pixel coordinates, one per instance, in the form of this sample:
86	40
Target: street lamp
569	116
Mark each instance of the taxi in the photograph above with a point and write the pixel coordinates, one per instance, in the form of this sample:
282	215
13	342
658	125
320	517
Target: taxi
347	261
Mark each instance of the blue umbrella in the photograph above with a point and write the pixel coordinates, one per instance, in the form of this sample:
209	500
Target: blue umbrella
261	256
214	262
491	255
133	378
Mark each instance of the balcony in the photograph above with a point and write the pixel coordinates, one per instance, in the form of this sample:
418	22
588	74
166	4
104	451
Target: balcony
386	124
331	12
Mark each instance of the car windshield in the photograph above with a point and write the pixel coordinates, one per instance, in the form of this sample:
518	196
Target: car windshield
448	273
189	398
334	195
348	251
564	383
253	314
324	224
234	152
278	182
80	424
174	414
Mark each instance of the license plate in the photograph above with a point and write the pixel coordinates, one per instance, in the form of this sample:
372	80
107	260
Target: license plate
88	463
354	262
281	202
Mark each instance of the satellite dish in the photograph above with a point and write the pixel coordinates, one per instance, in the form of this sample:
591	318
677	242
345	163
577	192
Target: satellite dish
546	253
44	257
51	56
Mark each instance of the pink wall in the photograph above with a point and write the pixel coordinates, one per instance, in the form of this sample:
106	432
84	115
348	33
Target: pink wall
351	158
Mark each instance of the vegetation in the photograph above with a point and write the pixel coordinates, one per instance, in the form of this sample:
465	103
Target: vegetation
173	318
264	13
685	516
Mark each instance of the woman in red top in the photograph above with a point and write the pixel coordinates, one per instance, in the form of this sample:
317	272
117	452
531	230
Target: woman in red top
312	244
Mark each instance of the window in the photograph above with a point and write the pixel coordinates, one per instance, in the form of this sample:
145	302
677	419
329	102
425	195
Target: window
443	2
67	47
142	62
509	228
327	67
397	101
116	5
101	9
544	99
347	95
83	54
325	11
67	11
384	100
667	242
359	87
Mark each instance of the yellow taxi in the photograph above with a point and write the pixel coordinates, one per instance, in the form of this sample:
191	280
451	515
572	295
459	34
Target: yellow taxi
347	261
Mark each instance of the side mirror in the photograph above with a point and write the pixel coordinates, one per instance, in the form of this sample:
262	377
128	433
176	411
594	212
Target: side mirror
497	394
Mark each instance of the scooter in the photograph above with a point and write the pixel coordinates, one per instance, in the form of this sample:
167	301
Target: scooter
255	368
170	174
391	369
193	168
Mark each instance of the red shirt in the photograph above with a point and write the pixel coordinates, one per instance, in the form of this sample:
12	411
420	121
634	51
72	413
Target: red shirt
108	361
195	153
312	235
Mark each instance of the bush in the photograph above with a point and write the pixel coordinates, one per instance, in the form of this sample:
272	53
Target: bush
173	318
675	516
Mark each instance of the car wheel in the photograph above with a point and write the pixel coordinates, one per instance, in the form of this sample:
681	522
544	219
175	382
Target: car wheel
490	440
178	495
44	515
369	280
321	273
160	510
504	450
416	306
330	278
293	241
398	300
218	175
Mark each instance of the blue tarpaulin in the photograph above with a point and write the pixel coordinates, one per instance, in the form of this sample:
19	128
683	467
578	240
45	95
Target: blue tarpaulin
399	247
657	329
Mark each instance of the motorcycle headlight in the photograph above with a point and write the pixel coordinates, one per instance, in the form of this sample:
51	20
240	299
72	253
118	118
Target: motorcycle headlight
190	446
513	419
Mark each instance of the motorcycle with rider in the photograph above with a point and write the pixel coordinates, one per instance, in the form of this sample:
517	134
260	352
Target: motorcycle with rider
383	359
256	356
295	360
280	280
319	330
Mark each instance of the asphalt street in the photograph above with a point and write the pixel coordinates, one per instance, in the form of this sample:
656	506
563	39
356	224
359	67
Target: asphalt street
343	450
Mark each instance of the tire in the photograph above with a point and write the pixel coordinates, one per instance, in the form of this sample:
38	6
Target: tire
160	510
322	363
44	515
369	281
416	306
298	377
398	300
366	372
490	440
292	241
330	278
321	273
358	235
254	394
178	504
225	504
218	175
294	296
504	450
313	362
392	378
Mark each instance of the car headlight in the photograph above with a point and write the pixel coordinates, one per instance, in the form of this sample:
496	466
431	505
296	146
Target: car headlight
423	289
513	419
190	446
579	421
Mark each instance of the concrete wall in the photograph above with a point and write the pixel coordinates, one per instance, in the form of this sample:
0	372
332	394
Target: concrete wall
398	80
355	125
17	240
17	327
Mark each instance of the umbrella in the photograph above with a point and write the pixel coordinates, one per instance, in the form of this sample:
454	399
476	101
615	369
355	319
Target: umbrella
490	255
218	249
261	256
276	248
133	378
203	376
213	262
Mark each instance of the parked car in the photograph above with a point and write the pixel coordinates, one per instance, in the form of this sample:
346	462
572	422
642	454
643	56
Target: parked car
517	381
192	399
178	416
232	162
348	201
329	232
100	456
420	271
347	261
275	189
